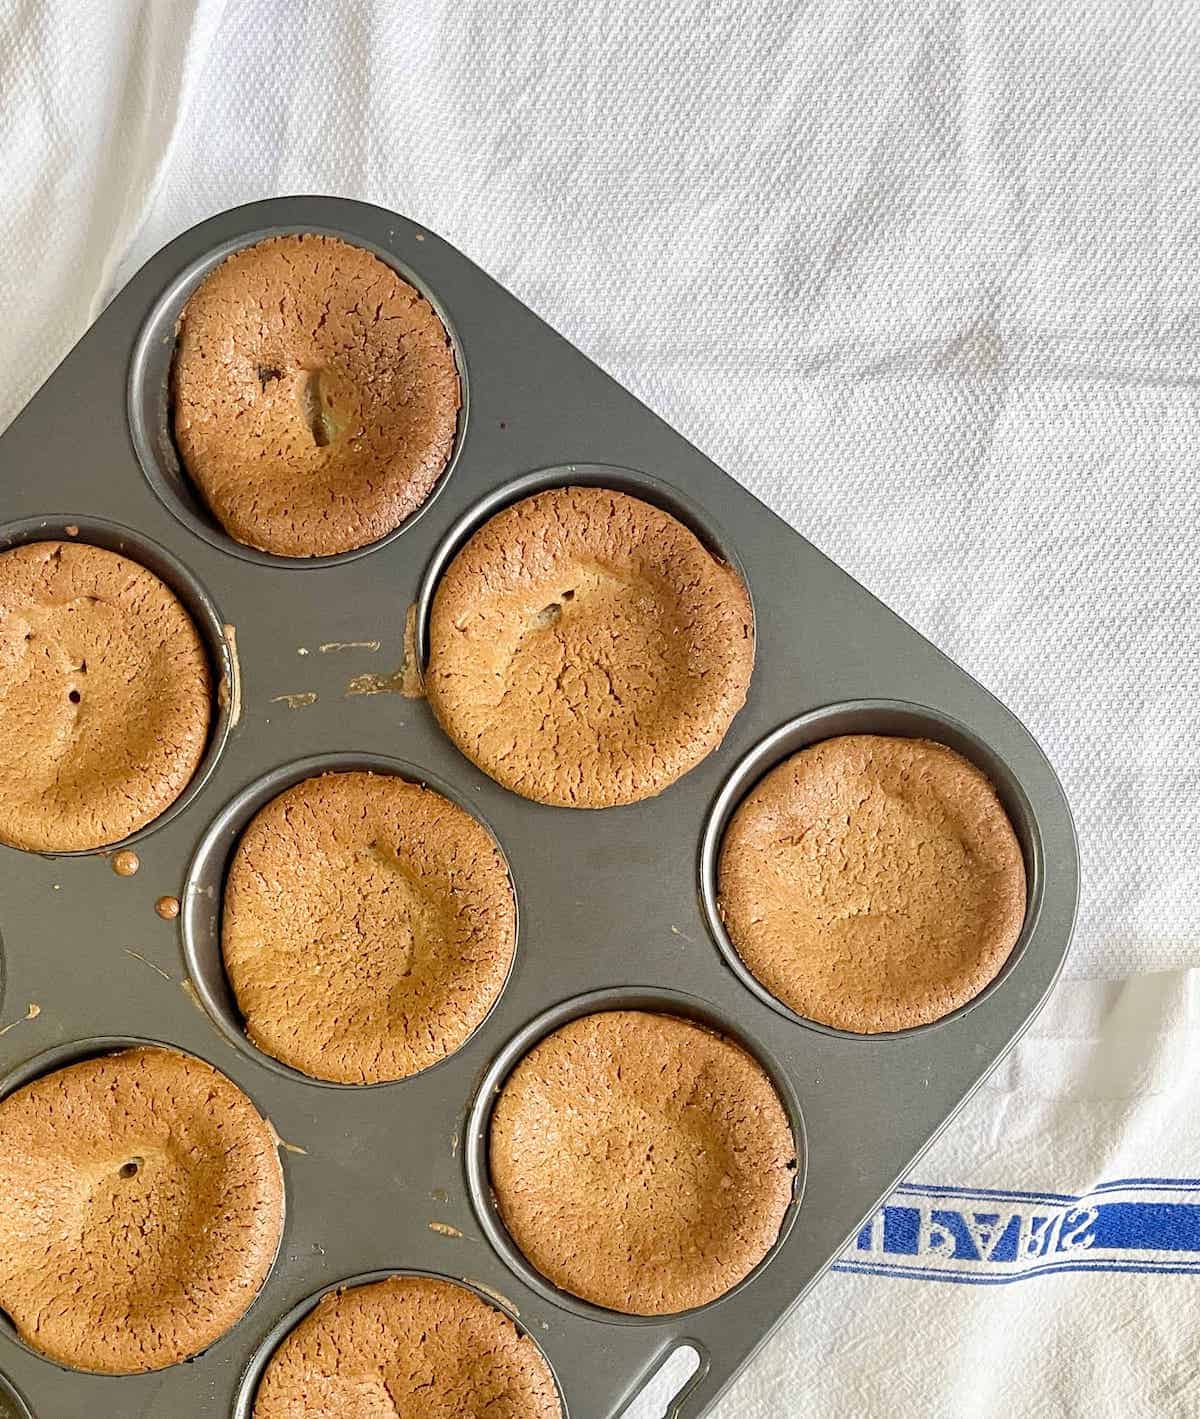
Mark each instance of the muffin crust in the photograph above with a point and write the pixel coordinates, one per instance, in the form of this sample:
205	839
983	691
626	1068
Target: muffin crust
873	883
641	1162
586	649
141	1206
410	1345
315	396
369	927
105	697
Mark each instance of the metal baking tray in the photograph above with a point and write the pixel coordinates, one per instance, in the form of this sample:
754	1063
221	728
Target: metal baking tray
615	906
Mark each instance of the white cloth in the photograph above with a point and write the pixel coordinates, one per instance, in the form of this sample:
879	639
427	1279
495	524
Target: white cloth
923	277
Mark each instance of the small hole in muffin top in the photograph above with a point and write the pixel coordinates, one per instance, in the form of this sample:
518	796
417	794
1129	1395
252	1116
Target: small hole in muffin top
548	615
130	1169
569	595
74	697
318	405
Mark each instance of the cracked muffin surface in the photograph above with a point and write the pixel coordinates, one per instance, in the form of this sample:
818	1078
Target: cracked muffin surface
411	1345
369	925
586	649
105	697
872	883
315	396
641	1162
141	1206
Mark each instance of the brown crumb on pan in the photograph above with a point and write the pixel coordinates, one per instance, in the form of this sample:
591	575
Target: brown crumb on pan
413	683
32	1011
231	694
146	962
495	1295
283	1143
406	680
190	991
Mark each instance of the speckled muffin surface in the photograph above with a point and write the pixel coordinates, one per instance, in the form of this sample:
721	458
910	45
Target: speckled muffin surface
315	396
411	1345
641	1162
369	926
141	1206
873	883
105	697
586	649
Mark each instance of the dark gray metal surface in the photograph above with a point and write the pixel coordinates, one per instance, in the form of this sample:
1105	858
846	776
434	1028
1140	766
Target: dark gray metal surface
609	901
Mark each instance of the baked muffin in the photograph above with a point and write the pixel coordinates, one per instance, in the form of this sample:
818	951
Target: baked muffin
872	883
105	697
586	649
369	927
641	1162
141	1207
315	396
410	1345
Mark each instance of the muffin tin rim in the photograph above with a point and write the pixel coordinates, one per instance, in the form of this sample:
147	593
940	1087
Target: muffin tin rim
216	846
9	1392
203	612
159	326
633	482
792	736
62	1056
255	1368
648	999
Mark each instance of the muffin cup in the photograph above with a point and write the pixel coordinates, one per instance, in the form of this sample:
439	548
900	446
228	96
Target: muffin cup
887	717
202	905
247	1391
151	416
60	1057
200	606
478	1127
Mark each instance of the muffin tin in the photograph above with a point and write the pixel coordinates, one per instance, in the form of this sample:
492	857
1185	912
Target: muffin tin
616	907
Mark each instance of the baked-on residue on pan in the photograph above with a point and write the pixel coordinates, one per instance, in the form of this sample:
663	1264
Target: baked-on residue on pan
586	649
315	396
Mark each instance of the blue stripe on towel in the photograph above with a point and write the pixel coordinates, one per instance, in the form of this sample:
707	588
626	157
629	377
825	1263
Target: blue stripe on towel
936	1232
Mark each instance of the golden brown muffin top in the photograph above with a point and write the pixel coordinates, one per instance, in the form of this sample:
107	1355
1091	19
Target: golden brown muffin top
369	927
141	1206
410	1345
315	396
873	883
105	697
586	649
641	1162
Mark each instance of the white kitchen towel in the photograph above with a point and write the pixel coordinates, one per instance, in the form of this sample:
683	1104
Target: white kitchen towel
921	276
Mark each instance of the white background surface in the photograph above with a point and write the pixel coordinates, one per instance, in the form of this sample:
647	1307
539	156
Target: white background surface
922	276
